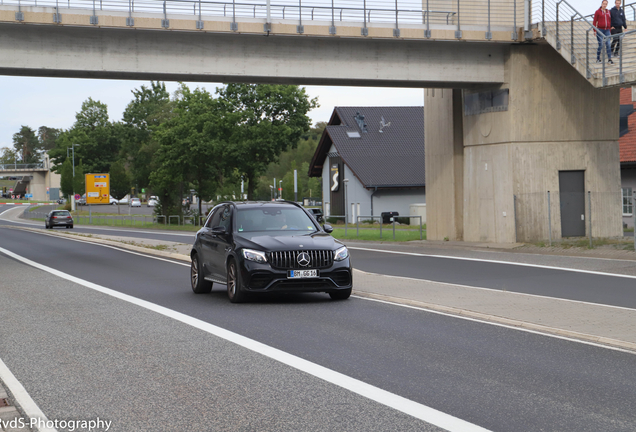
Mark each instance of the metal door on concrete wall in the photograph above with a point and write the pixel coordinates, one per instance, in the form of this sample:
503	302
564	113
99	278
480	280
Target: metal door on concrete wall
572	192
336	187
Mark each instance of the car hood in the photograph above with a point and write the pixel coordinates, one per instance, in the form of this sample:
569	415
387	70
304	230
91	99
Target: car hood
321	241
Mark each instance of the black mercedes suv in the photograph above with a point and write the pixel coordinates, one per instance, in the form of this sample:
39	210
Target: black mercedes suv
260	247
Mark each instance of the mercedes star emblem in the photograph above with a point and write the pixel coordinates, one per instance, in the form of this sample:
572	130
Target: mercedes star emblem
303	259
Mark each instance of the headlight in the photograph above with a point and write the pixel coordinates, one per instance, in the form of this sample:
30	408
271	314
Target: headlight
253	255
341	254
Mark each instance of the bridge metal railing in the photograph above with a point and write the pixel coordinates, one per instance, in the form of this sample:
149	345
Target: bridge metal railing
17	166
584	46
457	15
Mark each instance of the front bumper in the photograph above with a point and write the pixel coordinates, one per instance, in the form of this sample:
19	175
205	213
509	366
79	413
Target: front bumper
261	277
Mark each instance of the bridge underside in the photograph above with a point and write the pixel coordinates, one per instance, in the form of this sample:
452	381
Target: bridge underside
85	52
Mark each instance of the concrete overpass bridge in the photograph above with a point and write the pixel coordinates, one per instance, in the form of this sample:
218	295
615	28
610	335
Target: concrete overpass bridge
514	96
36	179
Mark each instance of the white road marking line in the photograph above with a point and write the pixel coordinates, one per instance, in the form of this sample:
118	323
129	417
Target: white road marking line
12	208
399	403
495	262
499	290
112	247
31	409
98	228
594	344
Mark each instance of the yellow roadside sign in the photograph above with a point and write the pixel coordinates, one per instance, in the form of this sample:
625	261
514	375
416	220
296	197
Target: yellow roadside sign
97	189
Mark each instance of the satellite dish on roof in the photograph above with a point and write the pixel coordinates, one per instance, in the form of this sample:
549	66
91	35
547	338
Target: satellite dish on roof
383	124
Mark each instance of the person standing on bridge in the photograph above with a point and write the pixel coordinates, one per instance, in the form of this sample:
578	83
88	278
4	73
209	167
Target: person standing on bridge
618	24
603	24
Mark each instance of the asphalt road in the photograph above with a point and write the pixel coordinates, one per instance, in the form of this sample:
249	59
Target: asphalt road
550	282
80	350
173	236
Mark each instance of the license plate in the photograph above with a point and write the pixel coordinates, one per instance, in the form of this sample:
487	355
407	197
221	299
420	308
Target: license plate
301	274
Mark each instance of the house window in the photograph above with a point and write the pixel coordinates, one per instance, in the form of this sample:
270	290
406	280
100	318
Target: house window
627	201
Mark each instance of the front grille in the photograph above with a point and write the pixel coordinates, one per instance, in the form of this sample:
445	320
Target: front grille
289	259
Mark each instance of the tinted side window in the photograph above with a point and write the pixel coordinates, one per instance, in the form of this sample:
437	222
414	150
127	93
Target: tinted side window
213	220
225	216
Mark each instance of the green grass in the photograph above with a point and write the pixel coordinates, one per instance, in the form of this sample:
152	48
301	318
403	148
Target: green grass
385	227
133	223
387	235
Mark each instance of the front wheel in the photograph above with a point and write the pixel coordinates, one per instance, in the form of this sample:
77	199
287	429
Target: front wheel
234	292
340	295
199	284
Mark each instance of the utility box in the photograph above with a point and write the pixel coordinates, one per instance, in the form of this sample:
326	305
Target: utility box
417	210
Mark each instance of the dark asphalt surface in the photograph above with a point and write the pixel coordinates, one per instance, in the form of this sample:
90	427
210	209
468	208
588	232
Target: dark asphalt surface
498	378
175	236
602	289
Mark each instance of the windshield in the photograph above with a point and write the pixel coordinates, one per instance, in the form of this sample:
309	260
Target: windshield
61	213
274	221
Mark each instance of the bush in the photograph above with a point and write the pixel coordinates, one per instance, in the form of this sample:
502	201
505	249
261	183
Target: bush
335	221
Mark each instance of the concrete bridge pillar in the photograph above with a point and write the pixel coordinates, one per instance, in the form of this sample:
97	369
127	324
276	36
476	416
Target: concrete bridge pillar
515	141
444	163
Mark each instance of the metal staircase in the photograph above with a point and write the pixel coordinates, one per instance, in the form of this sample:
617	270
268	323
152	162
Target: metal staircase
573	35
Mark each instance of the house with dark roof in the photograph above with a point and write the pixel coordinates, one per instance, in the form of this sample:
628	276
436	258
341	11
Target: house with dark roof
627	145
380	151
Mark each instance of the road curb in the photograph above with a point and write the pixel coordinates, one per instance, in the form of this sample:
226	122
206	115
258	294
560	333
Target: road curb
398	300
501	320
113	243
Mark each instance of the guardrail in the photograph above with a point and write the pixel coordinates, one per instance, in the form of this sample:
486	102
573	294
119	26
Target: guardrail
457	15
586	47
14	166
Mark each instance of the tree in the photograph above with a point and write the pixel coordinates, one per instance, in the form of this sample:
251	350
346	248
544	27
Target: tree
260	122
47	137
99	140
66	182
297	158
26	145
190	149
119	181
150	107
8	156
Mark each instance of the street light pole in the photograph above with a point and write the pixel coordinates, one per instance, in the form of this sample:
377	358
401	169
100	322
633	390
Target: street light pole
271	193
280	189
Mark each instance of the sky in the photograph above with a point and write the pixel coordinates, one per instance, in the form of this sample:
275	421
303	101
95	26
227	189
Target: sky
53	102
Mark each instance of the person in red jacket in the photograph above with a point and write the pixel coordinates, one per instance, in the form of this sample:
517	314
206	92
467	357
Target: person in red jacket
603	24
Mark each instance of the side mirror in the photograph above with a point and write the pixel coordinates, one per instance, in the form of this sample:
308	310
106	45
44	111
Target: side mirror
220	230
328	228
